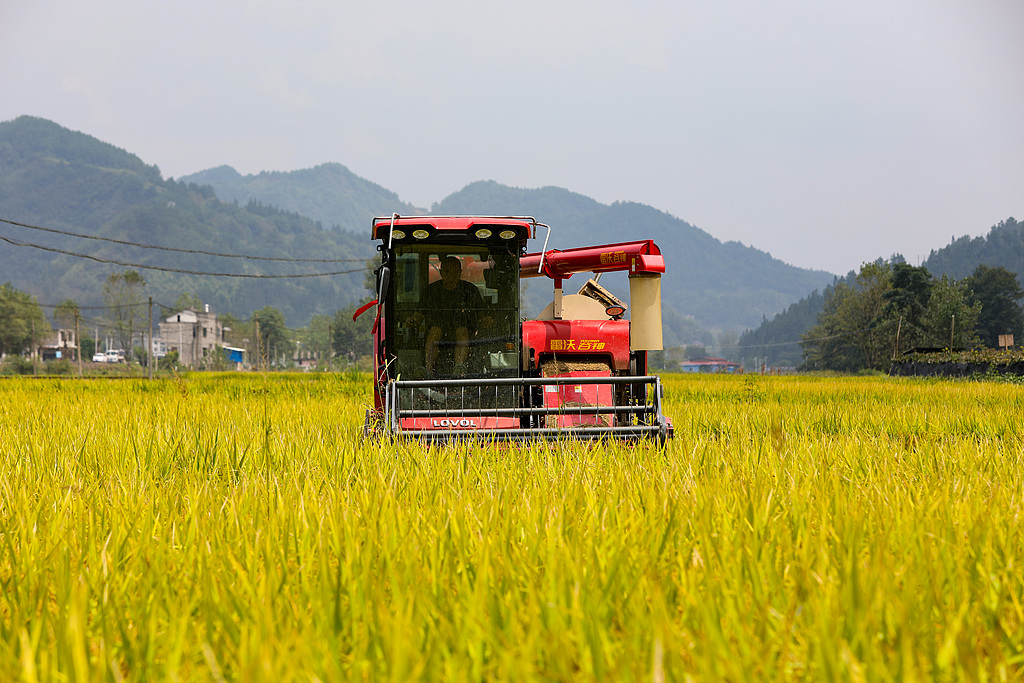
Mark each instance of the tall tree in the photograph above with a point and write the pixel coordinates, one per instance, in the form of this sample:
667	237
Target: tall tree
351	338
124	294
275	338
316	337
67	314
186	300
22	323
999	293
951	319
907	301
853	331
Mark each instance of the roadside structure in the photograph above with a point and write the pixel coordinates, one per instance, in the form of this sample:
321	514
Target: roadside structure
710	364
193	334
61	345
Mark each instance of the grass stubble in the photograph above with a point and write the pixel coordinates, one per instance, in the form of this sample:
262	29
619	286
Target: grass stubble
227	527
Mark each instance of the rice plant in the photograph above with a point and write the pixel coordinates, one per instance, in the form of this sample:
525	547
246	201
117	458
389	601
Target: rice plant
237	527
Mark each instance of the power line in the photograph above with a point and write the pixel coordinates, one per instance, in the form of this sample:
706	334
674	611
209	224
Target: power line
817	339
95	308
176	249
175	270
925	332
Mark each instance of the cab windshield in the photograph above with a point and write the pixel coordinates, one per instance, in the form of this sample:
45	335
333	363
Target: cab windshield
455	312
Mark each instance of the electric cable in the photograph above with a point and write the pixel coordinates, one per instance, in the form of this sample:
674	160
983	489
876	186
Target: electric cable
95	308
817	339
176	249
175	270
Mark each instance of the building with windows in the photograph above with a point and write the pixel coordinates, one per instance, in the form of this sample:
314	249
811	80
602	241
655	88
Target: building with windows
62	345
193	334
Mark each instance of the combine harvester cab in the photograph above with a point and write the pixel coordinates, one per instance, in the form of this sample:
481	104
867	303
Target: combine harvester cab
454	358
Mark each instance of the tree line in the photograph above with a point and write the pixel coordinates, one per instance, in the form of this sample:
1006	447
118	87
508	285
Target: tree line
329	341
890	308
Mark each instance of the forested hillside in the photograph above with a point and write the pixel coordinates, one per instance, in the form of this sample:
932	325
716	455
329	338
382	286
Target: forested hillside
710	285
56	178
329	194
53	177
720	285
1002	246
775	339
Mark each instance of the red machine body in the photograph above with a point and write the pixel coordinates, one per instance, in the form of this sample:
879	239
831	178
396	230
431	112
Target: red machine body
599	339
642	256
512	378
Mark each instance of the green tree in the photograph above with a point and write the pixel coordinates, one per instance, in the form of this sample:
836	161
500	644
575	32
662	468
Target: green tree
906	301
22	323
774	339
316	338
853	331
951	319
274	337
87	347
370	278
186	300
236	330
352	339
67	314
217	359
727	342
998	292
124	293
694	351
168	362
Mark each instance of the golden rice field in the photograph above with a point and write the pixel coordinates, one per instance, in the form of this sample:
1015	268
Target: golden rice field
230	527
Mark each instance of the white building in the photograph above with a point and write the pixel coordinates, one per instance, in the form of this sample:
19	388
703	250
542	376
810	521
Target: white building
193	334
62	345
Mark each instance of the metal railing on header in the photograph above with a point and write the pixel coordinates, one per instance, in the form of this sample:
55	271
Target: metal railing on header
453	405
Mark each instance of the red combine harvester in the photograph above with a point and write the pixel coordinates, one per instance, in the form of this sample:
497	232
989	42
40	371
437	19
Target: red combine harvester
454	358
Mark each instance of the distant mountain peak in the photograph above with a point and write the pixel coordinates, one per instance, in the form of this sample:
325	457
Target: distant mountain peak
219	174
31	136
328	193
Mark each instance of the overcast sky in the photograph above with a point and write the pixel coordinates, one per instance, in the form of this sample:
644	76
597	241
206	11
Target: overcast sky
826	133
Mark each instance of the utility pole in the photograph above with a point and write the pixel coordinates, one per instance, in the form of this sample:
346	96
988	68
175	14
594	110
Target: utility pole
896	351
952	326
259	353
149	355
78	343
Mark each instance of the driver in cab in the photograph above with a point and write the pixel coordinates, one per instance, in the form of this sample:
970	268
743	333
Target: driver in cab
451	308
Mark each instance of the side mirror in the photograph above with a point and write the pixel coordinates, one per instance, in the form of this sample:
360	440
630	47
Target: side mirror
383	280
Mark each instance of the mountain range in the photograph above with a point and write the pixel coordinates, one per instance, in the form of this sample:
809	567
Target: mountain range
709	285
59	179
